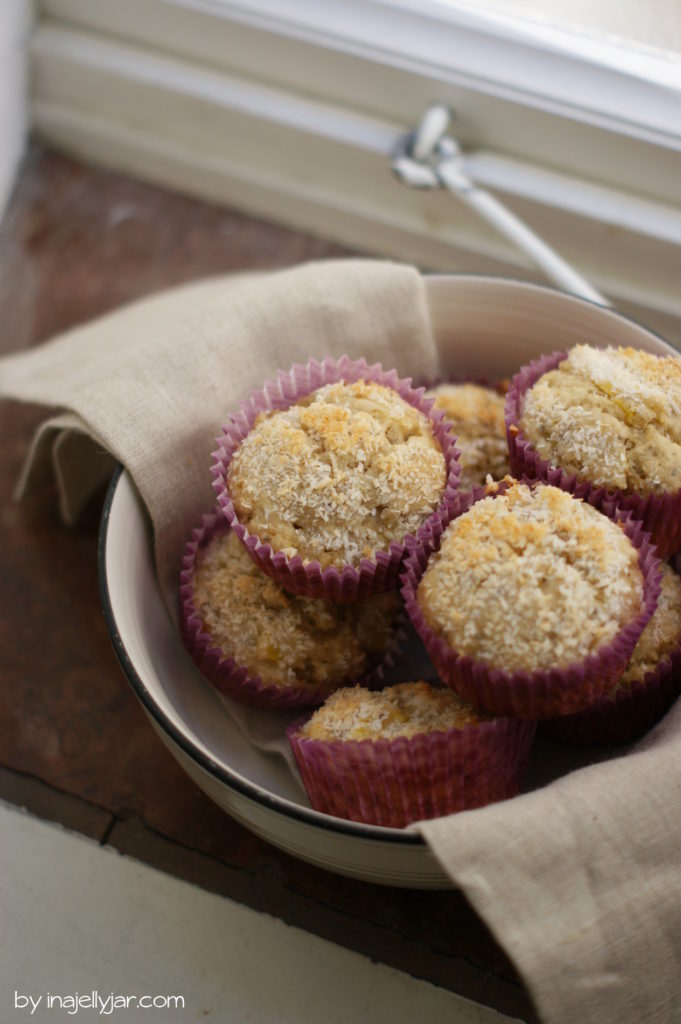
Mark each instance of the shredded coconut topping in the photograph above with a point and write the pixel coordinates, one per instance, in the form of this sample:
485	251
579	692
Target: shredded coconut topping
662	634
339	475
612	416
531	579
406	709
284	639
477	415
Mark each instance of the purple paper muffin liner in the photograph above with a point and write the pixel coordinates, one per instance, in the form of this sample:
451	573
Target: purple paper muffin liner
660	514
625	715
395	782
373	576
540	693
234	679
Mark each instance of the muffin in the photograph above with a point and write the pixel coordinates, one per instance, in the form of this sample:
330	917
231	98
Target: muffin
338	475
534	602
477	417
262	645
609	420
327	485
407	753
648	686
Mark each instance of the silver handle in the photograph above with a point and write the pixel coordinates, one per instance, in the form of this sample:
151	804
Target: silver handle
429	158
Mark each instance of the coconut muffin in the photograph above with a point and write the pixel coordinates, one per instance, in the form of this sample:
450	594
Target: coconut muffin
299	647
661	636
406	709
531	579
610	416
339	475
477	417
534	602
408	752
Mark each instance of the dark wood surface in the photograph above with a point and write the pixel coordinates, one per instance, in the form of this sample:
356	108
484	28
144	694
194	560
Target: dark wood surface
75	747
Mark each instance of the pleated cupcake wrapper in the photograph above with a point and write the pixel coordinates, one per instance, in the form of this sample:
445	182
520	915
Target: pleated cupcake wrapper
234	679
373	576
660	514
540	693
393	782
626	714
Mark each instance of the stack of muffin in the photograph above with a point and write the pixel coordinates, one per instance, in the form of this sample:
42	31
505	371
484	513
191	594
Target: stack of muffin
538	596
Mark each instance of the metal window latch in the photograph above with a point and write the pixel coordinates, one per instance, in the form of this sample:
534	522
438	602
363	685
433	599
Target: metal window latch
429	158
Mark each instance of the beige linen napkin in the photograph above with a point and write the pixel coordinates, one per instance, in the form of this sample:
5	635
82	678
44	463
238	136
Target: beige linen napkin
153	383
581	880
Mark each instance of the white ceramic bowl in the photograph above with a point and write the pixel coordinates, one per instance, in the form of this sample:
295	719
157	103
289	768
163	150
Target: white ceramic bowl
484	328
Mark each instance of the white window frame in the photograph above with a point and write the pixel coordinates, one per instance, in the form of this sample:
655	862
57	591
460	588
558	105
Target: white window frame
15	22
289	109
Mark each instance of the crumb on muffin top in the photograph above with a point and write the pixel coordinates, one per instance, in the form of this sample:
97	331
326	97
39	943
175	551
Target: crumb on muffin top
406	709
612	416
284	639
531	579
662	634
339	475
477	416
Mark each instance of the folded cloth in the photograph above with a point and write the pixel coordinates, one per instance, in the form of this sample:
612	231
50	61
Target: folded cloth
153	383
580	881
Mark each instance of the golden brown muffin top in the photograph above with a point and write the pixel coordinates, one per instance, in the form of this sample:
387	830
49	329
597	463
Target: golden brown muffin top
612	416
477	416
662	634
284	639
531	579
339	475
406	709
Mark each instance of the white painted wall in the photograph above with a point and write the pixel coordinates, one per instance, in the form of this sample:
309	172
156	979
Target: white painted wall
15	20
